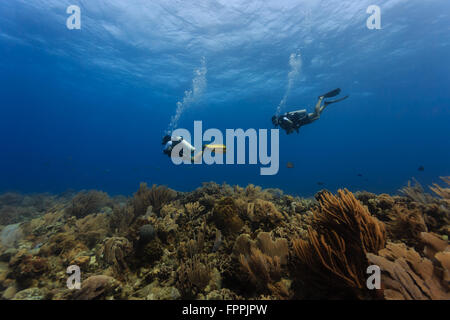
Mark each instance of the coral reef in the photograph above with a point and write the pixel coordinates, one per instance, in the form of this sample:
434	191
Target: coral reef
335	252
408	276
226	216
406	224
262	261
442	192
156	196
87	202
115	250
194	275
226	242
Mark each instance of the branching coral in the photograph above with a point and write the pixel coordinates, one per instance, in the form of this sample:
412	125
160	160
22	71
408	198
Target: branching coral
87	202
115	250
436	211
195	246
336	251
273	248
225	216
416	193
194	275
13	214
406	224
262	211
262	261
194	209
92	229
156	196
261	268
26	268
64	245
442	192
121	219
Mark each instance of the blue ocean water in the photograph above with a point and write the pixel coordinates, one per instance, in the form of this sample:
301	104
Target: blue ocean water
86	109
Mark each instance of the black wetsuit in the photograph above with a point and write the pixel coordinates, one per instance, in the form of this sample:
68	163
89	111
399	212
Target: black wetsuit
292	120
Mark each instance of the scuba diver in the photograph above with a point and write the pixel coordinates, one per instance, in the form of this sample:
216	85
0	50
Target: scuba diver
171	142
293	120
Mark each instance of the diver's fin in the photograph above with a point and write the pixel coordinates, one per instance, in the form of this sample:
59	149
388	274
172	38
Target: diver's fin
275	121
217	148
196	158
331	94
334	101
166	139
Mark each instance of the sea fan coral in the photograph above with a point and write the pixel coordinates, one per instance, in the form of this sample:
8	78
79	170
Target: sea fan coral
91	229
442	192
87	202
121	219
225	216
406	224
26	268
156	196
416	193
194	275
263	212
193	209
262	261
261	268
336	251
115	250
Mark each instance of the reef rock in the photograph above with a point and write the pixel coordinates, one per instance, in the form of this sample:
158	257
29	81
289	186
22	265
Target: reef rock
30	294
97	287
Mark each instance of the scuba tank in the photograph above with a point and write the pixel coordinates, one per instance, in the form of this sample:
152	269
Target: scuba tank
184	143
174	141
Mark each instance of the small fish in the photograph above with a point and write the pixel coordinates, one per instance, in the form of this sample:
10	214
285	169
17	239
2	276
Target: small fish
359	175
320	183
290	165
421	168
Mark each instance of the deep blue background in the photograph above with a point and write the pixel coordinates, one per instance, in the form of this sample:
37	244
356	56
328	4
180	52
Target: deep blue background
69	123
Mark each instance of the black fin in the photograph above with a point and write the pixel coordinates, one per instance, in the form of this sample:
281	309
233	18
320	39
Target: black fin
334	101
332	94
275	121
166	139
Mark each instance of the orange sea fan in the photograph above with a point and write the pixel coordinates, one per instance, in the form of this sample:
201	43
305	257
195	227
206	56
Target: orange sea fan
442	192
335	252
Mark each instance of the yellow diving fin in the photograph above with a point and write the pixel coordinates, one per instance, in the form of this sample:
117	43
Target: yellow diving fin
197	157
218	148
